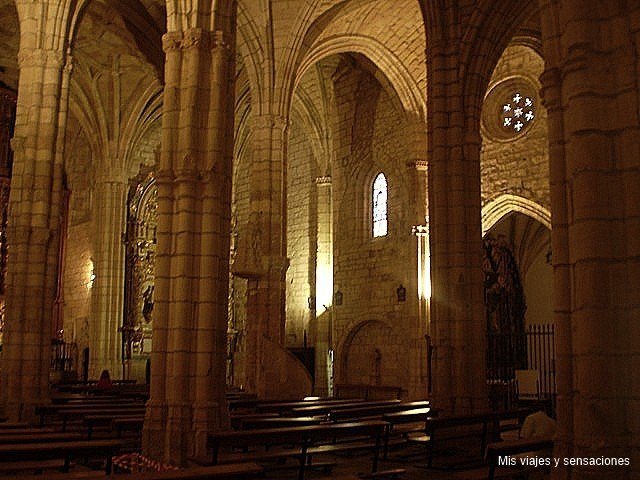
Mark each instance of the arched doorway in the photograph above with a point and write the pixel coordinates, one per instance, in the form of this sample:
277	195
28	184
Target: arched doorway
518	301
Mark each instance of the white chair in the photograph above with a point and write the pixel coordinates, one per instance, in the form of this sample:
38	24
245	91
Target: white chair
528	384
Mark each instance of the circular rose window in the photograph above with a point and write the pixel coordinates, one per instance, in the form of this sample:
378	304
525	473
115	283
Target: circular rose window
518	112
509	109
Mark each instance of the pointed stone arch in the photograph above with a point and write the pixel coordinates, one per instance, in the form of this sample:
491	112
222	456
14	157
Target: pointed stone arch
496	209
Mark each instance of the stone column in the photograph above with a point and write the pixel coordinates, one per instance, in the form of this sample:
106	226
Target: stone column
418	306
321	330
592	94
192	259
457	324
266	241
34	202
107	296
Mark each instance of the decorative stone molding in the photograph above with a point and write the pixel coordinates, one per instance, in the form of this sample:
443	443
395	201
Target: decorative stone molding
111	177
171	41
186	175
420	165
324	181
420	230
219	42
497	208
39	57
195	38
17	145
269	120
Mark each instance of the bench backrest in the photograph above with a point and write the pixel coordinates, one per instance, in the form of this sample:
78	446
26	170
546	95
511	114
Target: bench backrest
451	421
293	435
345	430
324	409
42	450
378	410
39	437
289	406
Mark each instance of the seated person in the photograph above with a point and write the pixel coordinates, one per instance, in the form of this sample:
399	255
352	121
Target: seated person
538	424
104	384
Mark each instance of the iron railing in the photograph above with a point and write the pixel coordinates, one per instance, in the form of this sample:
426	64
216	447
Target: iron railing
533	349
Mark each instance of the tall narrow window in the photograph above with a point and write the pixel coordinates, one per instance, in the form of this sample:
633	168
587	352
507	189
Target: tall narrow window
379	204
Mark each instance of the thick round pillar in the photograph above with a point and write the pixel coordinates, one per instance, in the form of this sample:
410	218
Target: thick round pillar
590	86
192	259
107	291
457	322
33	224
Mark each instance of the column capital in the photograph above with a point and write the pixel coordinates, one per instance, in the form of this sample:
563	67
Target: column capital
180	175
219	41
39	57
420	165
420	230
195	38
323	181
269	120
171	41
117	177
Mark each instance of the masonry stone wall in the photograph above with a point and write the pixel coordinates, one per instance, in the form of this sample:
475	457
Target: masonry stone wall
518	165
301	235
78	265
77	284
369	270
238	285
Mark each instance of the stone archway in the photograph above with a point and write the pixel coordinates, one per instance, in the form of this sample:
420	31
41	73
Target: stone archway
373	353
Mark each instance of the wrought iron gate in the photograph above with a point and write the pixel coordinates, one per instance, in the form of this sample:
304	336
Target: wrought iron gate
539	344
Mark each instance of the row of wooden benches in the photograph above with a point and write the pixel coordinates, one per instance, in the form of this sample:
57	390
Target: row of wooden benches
24	449
485	426
391	412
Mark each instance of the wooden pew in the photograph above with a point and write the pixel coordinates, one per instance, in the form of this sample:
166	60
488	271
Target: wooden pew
277	422
237	418
508	420
67	414
27	430
25	452
405	417
299	443
76	399
325	409
368	392
128	423
486	426
13	425
284	407
53	409
39	437
454	427
106	420
354	413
